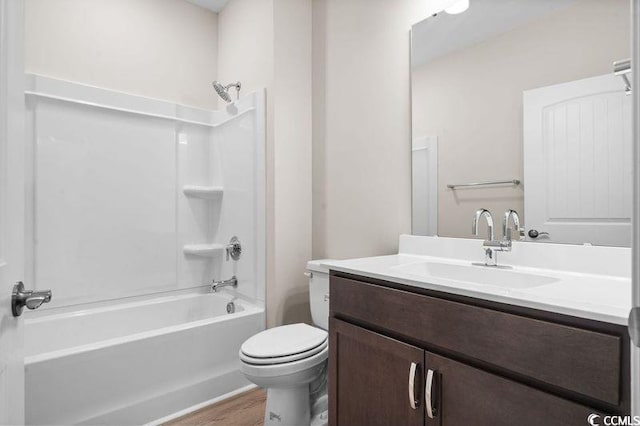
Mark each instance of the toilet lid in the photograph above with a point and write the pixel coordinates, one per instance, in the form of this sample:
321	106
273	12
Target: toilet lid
284	359
284	341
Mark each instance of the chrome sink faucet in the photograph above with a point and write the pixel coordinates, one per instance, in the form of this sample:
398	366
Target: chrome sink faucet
506	230
491	246
231	282
476	218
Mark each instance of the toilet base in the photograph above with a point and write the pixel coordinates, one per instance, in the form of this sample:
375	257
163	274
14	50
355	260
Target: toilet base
306	404
320	411
288	406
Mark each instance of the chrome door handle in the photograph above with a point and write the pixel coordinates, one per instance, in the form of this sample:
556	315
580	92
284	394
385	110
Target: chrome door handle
31	299
534	233
413	402
429	394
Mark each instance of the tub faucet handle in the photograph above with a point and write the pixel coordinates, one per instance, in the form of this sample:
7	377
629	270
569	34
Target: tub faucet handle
234	249
29	298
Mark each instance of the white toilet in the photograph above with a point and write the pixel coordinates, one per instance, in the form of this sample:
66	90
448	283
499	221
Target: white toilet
290	361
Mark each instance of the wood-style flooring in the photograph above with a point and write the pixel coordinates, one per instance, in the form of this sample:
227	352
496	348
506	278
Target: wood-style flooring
246	409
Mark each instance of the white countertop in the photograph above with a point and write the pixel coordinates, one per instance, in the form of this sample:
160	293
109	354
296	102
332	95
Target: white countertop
592	294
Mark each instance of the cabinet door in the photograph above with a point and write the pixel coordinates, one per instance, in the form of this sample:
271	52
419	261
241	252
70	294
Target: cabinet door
373	380
463	395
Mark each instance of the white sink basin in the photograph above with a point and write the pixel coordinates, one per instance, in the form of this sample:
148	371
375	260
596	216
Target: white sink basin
476	274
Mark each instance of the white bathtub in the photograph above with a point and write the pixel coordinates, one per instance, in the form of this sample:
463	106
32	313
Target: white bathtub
135	363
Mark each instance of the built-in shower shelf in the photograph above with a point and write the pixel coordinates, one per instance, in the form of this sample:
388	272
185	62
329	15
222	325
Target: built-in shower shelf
207	192
204	250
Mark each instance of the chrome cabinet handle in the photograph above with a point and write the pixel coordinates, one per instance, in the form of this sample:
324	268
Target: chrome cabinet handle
413	402
31	299
429	394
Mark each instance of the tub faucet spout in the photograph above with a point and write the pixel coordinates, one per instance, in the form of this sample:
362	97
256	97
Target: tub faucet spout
231	282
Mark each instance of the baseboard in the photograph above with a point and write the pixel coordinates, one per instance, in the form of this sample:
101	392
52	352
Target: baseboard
201	405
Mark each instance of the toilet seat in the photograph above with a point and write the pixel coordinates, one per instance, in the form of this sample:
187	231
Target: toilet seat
287	343
287	372
285	358
284	350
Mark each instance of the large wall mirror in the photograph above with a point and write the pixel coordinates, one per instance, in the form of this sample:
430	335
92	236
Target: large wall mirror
516	105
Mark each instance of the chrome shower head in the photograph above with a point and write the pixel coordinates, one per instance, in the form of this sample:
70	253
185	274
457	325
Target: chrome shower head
223	91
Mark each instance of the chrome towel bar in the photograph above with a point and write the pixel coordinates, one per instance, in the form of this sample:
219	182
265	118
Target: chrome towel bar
494	182
622	68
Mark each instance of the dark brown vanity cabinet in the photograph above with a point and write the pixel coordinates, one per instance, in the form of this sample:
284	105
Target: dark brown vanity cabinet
399	355
381	398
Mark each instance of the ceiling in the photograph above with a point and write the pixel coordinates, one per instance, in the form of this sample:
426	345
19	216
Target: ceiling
214	5
442	34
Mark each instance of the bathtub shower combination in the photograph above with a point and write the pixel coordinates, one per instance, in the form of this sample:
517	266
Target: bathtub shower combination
132	204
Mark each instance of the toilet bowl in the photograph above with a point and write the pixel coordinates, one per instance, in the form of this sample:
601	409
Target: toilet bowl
290	361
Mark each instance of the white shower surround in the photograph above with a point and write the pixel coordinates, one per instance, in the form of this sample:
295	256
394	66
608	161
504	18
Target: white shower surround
108	212
136	197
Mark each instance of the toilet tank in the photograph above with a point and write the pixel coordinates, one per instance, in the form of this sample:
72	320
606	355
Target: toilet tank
319	293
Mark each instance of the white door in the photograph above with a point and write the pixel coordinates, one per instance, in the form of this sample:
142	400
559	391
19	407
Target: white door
578	166
424	171
11	209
